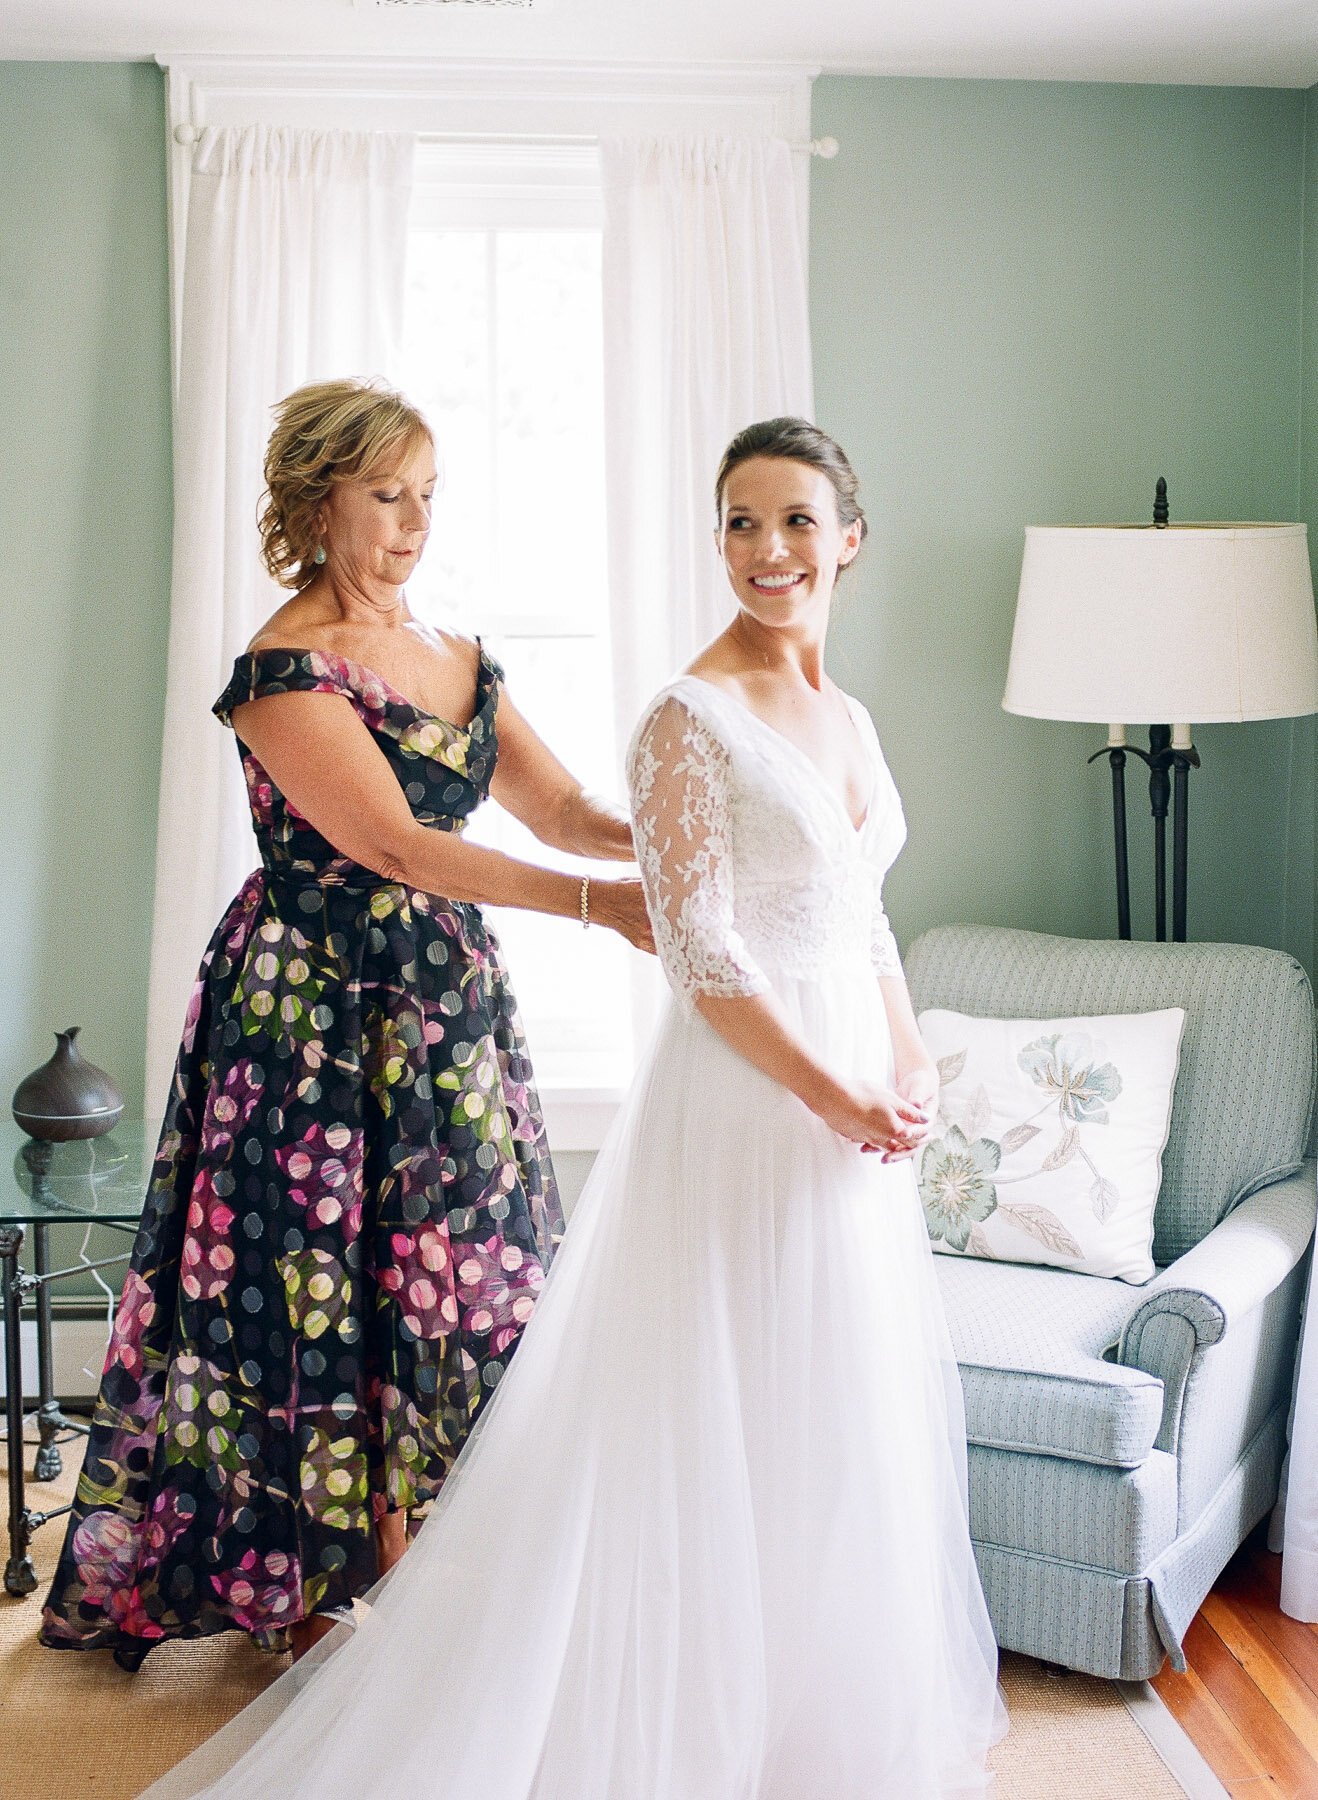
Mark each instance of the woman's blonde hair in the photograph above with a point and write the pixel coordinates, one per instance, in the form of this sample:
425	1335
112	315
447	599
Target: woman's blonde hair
325	433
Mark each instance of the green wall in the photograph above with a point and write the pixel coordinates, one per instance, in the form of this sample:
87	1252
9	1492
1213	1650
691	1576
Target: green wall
1028	302
84	554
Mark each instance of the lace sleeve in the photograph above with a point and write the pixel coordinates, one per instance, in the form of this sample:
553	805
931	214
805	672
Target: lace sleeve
678	771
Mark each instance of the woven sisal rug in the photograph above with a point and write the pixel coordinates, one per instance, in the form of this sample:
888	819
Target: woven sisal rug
74	1725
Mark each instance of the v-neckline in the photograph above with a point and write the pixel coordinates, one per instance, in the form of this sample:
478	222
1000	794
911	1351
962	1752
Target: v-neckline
857	830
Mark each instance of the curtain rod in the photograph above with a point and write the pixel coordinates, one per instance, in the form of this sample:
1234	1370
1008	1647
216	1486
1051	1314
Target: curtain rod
824	147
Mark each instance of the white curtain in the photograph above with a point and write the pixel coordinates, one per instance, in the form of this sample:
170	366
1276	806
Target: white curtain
706	329
293	271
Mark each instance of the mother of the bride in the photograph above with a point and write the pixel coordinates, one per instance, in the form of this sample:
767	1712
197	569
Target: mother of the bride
352	1206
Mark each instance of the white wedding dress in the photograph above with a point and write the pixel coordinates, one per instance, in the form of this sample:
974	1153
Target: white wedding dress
709	1541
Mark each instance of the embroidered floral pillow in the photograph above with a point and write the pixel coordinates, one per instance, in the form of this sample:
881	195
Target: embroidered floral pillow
1049	1138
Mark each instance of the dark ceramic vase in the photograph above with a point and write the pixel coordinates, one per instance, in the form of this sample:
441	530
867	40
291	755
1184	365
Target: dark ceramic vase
67	1097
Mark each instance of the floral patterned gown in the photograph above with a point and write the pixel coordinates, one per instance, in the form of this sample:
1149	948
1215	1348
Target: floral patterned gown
350	1215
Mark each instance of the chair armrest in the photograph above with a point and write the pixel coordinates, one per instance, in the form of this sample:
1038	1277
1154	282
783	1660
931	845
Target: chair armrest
1193	1303
1236	1266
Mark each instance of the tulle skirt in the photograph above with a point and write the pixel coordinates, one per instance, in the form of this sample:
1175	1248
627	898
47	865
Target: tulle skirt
710	1540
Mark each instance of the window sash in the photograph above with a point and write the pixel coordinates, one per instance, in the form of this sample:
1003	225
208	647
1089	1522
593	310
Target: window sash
491	193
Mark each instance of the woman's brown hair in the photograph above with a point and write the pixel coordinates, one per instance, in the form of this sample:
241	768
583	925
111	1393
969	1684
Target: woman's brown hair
795	440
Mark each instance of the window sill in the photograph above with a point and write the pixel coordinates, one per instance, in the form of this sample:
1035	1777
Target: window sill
578	1117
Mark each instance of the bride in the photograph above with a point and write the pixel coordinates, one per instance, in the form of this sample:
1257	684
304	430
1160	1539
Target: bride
710	1542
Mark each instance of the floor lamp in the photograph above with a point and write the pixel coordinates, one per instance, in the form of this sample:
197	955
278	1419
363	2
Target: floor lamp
1137	623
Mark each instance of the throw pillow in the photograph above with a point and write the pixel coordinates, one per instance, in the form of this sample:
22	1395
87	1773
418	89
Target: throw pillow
1049	1139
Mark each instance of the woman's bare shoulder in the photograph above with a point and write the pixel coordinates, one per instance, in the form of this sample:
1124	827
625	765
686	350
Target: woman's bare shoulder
413	646
297	625
721	665
452	645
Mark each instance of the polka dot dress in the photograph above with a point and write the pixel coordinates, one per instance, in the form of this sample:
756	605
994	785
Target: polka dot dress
350	1216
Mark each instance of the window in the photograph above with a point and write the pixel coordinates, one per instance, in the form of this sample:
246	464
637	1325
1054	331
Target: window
506	152
503	352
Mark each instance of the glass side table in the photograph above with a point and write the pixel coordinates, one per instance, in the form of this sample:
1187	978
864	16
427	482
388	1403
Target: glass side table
100	1181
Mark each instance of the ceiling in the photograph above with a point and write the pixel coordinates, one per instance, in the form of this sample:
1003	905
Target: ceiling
1267	43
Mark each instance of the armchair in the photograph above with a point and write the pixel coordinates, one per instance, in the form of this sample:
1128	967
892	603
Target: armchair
1123	1441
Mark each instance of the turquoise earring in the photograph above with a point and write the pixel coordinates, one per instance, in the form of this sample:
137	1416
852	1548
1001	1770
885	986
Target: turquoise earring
319	557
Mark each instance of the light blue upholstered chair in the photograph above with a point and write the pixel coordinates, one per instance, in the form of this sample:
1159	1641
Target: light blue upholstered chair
1124	1440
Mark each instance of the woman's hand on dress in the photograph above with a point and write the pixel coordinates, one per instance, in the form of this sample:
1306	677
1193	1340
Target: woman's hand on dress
621	906
881	1120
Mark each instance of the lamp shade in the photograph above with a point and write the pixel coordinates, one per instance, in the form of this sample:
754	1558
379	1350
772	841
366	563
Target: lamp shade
1153	624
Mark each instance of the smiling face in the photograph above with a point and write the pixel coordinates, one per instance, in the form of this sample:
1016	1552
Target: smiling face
781	540
374	529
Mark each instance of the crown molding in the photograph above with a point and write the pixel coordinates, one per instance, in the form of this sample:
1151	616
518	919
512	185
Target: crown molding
223	87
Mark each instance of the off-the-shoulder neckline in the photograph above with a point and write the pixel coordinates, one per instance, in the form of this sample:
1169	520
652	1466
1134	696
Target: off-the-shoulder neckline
485	668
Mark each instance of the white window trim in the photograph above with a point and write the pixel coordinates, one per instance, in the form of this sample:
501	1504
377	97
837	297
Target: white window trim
509	186
579	1118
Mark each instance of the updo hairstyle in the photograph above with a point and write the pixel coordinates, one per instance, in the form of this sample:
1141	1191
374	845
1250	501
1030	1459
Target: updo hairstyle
326	433
795	440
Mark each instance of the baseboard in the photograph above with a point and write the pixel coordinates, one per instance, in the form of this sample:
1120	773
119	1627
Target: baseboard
78	1345
1171	1741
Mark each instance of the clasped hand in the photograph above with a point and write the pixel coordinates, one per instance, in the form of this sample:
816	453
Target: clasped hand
892	1123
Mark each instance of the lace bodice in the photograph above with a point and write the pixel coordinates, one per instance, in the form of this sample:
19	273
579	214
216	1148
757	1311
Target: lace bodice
750	862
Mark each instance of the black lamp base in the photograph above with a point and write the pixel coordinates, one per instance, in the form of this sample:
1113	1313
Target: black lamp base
1169	773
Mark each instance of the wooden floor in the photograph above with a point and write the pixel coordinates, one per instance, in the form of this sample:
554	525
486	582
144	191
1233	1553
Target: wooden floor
1249	1699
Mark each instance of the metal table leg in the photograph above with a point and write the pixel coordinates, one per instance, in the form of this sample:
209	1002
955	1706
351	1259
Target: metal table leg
50	1420
20	1576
